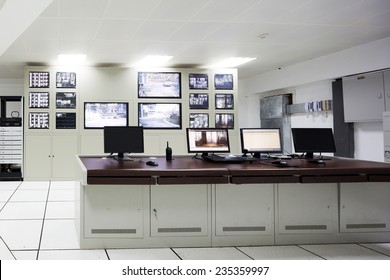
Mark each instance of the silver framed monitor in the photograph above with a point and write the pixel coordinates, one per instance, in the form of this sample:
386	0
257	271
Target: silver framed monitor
257	141
207	140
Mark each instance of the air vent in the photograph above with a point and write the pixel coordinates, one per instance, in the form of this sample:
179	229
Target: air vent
113	231
306	227
170	230
363	226
243	229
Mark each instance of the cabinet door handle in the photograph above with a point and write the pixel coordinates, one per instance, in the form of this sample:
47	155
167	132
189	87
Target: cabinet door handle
380	95
155	213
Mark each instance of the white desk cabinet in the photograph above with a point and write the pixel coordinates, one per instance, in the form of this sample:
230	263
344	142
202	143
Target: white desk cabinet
113	211
364	207
180	210
246	209
307	208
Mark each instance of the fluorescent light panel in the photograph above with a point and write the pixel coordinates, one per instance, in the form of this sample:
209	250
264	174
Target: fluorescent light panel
71	59
233	62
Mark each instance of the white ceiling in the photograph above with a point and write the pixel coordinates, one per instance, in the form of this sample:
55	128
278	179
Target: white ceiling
196	33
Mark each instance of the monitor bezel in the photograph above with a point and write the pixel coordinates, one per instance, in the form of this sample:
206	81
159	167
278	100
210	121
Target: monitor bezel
129	149
105	124
208	150
260	151
310	152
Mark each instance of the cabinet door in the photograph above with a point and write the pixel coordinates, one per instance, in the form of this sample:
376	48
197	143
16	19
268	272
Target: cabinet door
307	208
113	211
178	210
64	149
363	97
364	207
244	209
386	82
37	157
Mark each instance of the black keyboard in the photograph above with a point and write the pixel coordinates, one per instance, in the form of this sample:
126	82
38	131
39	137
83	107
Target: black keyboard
227	159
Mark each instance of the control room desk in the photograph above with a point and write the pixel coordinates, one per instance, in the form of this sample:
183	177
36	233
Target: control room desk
189	202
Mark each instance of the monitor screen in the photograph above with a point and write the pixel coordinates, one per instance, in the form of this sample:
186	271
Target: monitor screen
101	114
208	140
123	139
260	140
313	140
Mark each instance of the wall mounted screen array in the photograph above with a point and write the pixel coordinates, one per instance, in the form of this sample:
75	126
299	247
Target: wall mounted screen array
207	140
123	139
313	140
259	141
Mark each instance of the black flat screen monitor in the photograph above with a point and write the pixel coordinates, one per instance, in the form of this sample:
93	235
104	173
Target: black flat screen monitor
259	141
313	140
207	140
123	139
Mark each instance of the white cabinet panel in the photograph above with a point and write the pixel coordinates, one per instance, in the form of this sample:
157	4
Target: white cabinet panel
307	208
244	209
179	210
386	82
64	149
113	211
37	156
364	207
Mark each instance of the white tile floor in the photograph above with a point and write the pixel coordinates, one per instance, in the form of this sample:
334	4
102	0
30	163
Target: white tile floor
36	222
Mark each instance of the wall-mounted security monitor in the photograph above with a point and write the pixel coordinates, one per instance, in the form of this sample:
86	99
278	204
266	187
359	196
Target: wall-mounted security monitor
120	140
259	141
207	140
313	140
101	114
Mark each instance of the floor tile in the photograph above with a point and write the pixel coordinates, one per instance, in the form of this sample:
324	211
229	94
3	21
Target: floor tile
278	253
23	210
142	254
34	185
29	195
383	248
5	253
21	234
220	253
61	195
344	252
59	234
60	210
64	185
25	255
9	185
5	195
72	255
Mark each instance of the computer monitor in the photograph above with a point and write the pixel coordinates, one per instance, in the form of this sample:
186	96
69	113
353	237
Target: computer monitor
123	139
207	140
259	141
313	140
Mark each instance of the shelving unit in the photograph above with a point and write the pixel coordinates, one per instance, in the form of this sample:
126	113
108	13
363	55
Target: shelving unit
11	138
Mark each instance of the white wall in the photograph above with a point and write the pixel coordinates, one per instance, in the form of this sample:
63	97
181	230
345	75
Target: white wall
11	87
312	79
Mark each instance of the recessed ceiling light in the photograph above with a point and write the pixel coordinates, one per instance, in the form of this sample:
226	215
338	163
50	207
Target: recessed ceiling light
154	60
233	62
71	59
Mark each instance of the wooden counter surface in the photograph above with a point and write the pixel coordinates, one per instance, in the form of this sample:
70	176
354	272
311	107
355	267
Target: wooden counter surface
186	170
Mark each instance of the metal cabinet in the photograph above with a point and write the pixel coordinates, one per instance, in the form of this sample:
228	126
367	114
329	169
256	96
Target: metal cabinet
180	210
307	208
364	207
364	97
242	210
113	211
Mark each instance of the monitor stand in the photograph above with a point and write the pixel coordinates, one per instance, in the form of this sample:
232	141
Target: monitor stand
121	157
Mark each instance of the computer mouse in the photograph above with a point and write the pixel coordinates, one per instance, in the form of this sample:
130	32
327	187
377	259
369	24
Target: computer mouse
152	163
280	163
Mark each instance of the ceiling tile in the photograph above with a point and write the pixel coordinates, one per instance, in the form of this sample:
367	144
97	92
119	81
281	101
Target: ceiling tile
195	31
177	9
157	30
125	9
78	29
82	9
42	28
111	29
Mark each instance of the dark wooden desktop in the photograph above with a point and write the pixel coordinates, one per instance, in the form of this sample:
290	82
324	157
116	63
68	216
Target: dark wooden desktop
185	169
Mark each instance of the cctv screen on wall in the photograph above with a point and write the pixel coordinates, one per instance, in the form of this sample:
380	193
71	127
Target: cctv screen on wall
101	114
